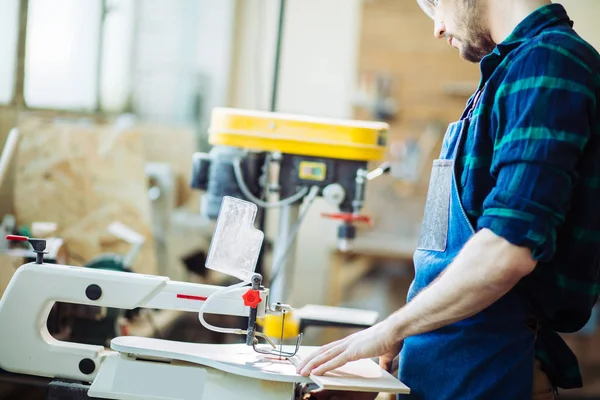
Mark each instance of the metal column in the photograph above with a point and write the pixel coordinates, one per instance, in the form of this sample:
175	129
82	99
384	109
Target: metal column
280	284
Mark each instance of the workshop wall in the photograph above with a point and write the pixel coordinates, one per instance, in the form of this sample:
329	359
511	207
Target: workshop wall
418	84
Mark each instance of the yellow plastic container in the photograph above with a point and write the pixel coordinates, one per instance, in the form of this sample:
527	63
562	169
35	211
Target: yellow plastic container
271	325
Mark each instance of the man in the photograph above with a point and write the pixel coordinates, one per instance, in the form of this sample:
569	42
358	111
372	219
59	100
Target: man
509	251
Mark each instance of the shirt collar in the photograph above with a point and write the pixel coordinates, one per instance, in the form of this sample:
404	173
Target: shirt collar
534	23
531	26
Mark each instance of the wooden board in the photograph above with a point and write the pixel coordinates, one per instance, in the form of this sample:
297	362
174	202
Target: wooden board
8	265
357	376
239	359
83	177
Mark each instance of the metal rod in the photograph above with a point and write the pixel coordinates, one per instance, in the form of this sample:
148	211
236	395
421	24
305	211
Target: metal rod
273	107
281	338
284	254
276	69
250	336
99	54
19	88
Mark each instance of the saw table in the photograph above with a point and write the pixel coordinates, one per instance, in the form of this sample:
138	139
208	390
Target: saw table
144	368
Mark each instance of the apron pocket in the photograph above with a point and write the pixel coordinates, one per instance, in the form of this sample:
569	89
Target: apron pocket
434	229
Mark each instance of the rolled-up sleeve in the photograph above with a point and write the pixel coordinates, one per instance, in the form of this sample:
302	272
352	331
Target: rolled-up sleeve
540	128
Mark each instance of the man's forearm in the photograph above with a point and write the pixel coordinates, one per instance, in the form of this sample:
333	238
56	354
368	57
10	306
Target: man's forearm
486	269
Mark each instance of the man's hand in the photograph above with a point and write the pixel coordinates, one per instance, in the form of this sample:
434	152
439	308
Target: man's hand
379	340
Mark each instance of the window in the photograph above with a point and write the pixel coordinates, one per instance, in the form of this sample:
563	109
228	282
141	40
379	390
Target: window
73	60
117	55
9	29
61	61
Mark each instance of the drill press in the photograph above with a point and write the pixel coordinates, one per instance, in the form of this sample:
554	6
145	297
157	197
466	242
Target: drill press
256	154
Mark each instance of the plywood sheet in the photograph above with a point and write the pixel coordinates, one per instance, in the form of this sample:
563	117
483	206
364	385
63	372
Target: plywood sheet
83	177
363	375
8	265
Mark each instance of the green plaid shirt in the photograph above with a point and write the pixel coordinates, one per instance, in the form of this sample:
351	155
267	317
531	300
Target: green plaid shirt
530	172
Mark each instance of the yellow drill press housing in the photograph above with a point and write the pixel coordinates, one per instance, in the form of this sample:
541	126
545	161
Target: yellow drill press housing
299	135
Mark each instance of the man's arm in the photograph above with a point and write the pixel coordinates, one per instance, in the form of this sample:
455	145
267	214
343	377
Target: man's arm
486	269
541	126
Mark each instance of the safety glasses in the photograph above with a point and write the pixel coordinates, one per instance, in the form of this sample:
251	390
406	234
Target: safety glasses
429	7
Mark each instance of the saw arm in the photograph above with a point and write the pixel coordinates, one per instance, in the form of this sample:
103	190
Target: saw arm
34	288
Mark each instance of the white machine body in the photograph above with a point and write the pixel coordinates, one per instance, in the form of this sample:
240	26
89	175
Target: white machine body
27	347
126	377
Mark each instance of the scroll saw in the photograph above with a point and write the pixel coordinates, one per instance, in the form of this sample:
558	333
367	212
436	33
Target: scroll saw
256	154
144	368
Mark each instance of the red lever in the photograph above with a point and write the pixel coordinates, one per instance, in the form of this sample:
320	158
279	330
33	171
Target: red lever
349	217
39	245
251	298
17	237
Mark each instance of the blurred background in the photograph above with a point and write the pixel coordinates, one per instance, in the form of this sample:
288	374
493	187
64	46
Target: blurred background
111	99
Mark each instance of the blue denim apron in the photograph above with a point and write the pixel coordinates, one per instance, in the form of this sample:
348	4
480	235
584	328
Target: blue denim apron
488	356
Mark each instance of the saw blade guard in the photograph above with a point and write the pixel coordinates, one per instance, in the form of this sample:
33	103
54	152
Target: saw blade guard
236	243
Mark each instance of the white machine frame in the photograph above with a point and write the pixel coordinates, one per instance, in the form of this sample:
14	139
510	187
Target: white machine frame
26	345
141	368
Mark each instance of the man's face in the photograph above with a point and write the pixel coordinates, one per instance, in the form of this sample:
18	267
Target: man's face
463	23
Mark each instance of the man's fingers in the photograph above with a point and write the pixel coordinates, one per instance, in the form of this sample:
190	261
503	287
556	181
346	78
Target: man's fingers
386	364
321	359
319	351
332	364
325	348
389	363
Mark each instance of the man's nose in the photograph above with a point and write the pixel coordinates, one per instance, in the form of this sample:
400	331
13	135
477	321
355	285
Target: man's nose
439	29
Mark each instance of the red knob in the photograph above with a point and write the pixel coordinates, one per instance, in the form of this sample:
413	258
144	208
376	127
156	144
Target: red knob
349	217
251	298
17	237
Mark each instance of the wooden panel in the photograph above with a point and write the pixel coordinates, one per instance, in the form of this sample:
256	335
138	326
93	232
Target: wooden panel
8	266
84	177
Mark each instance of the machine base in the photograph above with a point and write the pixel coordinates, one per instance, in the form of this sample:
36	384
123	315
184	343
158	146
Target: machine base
65	390
124	377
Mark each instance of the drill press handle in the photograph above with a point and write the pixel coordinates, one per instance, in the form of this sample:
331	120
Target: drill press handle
39	246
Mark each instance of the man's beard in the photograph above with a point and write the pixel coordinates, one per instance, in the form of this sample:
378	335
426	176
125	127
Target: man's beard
477	41
475	49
